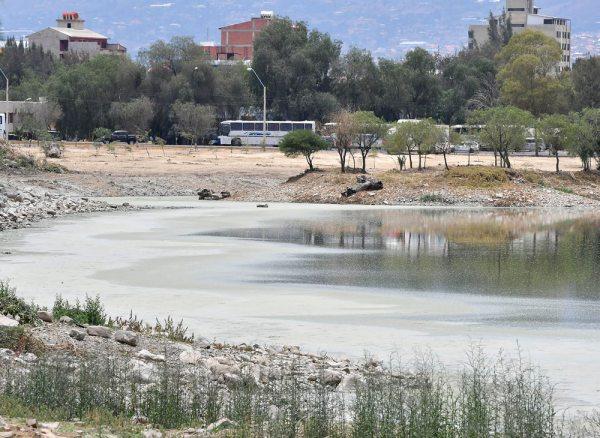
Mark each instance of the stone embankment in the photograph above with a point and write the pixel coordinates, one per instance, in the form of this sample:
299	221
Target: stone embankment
21	206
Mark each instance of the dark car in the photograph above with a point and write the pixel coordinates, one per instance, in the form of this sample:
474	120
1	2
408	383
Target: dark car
123	136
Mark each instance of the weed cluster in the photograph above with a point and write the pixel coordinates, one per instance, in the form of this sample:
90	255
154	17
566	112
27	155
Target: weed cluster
477	176
430	198
501	400
90	312
12	305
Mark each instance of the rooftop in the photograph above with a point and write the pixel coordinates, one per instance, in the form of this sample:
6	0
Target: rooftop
79	33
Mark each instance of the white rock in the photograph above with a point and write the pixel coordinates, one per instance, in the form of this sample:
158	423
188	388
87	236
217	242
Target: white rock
146	355
222	424
350	382
142	371
152	433
8	322
190	357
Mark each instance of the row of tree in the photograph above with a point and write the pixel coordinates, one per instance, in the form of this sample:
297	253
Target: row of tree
503	129
172	92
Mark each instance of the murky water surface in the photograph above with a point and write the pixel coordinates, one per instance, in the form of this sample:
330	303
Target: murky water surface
345	280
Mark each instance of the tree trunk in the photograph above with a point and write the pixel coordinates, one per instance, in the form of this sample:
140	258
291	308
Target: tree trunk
410	158
364	160
446	161
420	165
342	154
557	162
309	161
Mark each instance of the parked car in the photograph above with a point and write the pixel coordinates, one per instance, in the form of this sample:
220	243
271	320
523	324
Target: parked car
122	136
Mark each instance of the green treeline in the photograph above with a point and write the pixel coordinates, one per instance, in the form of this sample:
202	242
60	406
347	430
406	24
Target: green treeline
308	76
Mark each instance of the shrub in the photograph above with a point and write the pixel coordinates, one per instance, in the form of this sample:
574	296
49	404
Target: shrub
12	305
91	312
478	176
19	340
432	198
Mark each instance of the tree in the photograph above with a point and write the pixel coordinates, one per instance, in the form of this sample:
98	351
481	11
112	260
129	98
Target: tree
134	116
581	140
399	143
305	143
418	136
503	129
394	90
193	121
296	67
586	83
370	129
528	77
357	81
343	131
86	91
554	131
591	116
423	84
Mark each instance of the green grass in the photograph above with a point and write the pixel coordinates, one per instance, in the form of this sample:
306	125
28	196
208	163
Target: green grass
12	305
564	190
90	312
487	398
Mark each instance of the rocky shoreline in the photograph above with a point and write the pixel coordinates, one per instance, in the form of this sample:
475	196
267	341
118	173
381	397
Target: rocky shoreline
146	355
21	206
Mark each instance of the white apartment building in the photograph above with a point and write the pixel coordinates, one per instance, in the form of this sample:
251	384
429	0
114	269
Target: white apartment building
524	15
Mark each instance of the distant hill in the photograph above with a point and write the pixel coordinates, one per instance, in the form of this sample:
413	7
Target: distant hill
386	27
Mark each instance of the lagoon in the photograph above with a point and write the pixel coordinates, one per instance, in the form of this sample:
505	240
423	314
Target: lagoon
340	279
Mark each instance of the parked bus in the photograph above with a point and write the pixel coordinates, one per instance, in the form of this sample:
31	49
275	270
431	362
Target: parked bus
250	133
469	135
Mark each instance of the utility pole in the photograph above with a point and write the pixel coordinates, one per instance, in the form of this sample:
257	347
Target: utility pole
264	105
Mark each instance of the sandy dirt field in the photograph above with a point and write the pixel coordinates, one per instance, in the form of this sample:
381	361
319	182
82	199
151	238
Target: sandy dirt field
255	174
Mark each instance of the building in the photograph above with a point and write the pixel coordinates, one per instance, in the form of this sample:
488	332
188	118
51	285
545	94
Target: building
237	40
524	15
71	37
11	111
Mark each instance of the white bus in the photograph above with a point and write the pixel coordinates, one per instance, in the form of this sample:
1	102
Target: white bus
250	133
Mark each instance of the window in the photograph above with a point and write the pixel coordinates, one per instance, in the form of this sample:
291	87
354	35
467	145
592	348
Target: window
286	127
236	127
273	126
308	126
248	126
64	45
298	126
11	118
69	25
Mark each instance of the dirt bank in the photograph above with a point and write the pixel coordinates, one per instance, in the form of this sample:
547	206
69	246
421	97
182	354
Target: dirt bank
259	175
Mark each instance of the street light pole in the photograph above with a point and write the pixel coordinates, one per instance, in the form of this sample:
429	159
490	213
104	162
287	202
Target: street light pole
5	77
264	105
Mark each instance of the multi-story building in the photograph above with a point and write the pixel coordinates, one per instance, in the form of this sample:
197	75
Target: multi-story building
237	40
71	37
524	15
